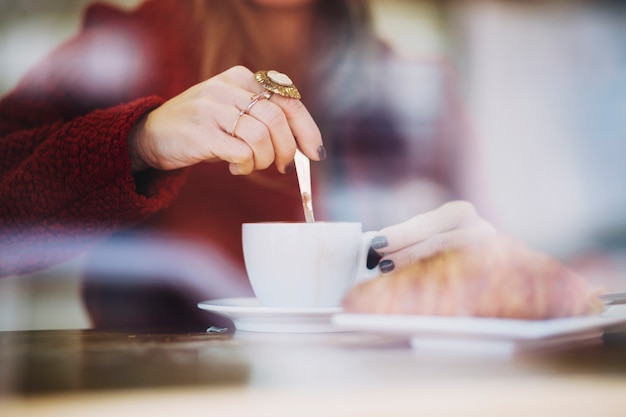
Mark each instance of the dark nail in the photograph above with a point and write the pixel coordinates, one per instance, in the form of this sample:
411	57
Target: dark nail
373	258
321	152
379	242
386	266
289	168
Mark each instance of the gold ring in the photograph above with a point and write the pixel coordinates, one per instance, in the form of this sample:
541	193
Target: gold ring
253	100
278	83
232	132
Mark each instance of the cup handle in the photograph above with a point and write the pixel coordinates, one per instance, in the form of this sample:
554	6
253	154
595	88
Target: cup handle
362	272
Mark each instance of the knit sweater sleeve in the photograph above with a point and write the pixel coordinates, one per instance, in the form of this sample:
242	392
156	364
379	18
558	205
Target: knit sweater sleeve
78	172
65	171
64	185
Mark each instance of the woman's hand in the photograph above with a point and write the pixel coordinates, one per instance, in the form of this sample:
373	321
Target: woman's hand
452	225
197	126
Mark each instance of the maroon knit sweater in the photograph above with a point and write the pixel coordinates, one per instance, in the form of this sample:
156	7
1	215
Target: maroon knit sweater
65	178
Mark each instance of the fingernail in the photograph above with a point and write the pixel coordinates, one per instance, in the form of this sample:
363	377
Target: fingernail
373	258
386	266
289	168
321	152
379	242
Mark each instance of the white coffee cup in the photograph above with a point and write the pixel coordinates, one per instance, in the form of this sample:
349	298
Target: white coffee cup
305	265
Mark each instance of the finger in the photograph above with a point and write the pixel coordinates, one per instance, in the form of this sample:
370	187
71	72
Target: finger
435	244
226	88
221	144
235	151
244	168
448	217
245	129
299	120
280	135
239	153
257	136
303	127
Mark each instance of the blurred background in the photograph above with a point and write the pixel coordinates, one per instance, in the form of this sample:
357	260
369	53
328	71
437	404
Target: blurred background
542	83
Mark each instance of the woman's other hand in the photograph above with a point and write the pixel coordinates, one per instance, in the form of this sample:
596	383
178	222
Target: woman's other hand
198	124
454	224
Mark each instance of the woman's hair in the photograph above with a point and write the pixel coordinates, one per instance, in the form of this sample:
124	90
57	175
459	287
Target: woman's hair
343	40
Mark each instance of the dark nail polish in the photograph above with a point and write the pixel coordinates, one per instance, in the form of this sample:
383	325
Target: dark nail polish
321	152
386	266
379	242
290	167
373	258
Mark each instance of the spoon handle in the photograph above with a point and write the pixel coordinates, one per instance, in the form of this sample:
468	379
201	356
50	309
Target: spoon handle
303	170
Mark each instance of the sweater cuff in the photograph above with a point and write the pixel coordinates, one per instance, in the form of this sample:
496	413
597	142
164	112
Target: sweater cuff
134	196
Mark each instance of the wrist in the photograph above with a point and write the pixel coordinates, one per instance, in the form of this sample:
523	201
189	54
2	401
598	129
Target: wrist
136	138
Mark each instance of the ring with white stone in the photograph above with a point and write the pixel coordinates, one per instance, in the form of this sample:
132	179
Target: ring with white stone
278	83
253	100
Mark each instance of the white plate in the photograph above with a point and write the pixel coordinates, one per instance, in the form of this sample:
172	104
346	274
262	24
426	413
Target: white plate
249	315
482	335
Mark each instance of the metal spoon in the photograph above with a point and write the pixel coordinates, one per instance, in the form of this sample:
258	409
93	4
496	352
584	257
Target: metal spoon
303	170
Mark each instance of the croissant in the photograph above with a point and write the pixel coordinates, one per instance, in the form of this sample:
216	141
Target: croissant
500	278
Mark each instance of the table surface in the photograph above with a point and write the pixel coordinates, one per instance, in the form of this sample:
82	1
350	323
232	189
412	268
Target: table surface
89	372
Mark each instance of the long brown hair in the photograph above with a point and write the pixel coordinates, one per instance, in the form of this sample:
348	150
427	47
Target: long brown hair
342	40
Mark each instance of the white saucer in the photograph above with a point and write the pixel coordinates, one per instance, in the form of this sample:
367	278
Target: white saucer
249	315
